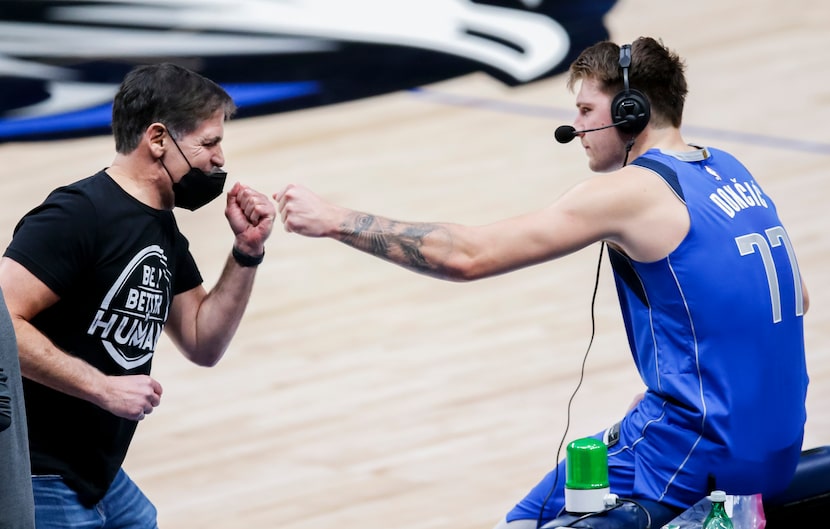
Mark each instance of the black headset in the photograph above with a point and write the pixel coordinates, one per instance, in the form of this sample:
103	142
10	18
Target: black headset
630	107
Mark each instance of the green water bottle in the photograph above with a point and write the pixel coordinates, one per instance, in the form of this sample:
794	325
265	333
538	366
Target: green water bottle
717	517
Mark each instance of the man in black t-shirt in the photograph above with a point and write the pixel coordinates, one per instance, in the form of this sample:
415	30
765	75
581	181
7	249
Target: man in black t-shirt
97	271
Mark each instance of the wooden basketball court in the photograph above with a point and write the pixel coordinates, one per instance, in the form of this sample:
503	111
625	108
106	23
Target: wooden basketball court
359	395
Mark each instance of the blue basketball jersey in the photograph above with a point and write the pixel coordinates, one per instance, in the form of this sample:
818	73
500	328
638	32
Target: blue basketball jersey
716	332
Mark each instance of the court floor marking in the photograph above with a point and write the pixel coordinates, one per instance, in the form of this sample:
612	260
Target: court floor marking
566	115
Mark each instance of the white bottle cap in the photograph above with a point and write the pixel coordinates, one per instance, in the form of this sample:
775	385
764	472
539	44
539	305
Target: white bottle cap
717	495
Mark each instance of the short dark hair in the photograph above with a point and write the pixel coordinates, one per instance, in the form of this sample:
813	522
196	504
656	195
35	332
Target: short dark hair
655	70
164	93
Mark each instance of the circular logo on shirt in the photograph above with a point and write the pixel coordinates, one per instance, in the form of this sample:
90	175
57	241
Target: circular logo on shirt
132	314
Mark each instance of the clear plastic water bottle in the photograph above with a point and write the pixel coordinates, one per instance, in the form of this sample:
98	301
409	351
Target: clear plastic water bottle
717	517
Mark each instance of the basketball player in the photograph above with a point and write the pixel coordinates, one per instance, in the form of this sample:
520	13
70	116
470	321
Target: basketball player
707	280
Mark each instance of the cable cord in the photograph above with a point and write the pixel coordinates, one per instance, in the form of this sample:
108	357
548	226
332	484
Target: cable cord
619	503
578	385
645	511
629	144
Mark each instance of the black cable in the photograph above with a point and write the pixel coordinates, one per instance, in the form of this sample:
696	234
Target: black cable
648	514
595	513
619	503
570	400
628	147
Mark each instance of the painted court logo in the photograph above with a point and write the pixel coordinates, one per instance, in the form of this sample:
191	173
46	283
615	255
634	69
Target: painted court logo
61	61
132	314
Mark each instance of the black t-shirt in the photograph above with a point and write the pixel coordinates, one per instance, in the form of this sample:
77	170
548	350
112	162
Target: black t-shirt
116	264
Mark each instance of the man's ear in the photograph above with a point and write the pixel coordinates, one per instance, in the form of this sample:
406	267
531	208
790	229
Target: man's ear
155	135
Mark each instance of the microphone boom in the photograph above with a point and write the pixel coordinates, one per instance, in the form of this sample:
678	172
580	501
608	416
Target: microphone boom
566	133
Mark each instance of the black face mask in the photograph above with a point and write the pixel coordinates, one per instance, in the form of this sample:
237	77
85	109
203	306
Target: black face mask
196	188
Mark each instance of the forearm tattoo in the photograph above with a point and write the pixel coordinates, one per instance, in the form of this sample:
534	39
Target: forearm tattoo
398	242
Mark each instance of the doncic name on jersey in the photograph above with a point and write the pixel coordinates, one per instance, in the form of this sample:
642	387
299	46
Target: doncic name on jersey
131	317
61	61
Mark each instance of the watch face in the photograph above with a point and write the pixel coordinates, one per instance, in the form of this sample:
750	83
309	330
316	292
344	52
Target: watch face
61	61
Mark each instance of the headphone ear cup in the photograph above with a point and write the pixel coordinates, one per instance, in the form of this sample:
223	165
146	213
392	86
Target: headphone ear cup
633	109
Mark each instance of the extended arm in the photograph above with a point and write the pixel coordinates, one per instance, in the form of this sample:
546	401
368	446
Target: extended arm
203	323
442	250
633	210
